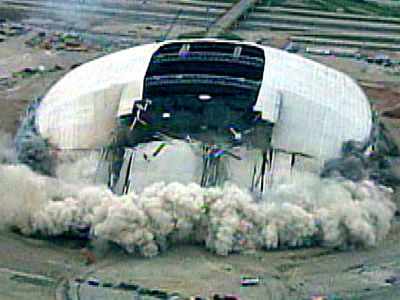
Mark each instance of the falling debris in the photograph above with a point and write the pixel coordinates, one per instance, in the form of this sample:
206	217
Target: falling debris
31	148
158	149
358	162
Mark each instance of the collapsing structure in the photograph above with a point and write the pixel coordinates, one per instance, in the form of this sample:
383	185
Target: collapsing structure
204	110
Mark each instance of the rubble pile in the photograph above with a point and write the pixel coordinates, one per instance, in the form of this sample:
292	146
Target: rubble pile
31	148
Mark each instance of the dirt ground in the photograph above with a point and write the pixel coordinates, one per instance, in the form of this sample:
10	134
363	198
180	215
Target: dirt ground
40	269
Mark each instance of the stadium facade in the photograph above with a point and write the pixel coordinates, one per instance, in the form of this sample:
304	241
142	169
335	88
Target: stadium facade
204	110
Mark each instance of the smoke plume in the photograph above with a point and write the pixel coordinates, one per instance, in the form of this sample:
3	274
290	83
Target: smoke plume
6	148
300	210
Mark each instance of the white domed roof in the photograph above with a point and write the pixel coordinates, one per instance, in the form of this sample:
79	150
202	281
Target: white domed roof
315	108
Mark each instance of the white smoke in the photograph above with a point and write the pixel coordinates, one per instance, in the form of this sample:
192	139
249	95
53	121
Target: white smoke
6	147
345	212
299	210
297	213
22	192
84	168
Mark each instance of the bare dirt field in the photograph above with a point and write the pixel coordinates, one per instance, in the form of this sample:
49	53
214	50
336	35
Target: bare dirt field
42	269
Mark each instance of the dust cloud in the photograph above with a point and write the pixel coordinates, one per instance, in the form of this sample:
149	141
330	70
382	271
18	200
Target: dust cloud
300	210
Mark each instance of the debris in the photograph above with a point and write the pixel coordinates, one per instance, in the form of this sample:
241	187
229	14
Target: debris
236	134
139	110
159	149
31	148
188	139
217	152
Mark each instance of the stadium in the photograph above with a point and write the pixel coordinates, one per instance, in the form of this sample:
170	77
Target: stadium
233	111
